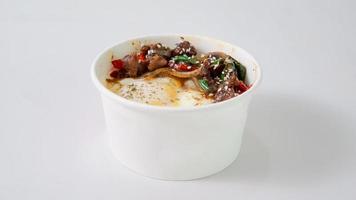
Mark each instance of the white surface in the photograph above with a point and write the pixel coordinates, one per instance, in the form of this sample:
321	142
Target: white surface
175	143
300	134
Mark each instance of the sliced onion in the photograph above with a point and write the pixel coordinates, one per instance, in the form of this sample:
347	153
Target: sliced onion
172	72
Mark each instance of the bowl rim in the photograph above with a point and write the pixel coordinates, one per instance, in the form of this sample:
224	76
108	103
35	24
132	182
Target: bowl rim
141	106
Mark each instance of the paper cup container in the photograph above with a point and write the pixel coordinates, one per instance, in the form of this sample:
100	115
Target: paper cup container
173	143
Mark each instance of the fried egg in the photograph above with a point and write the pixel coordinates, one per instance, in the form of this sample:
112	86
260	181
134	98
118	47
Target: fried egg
160	91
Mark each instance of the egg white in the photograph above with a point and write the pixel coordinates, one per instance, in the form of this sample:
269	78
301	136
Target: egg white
160	91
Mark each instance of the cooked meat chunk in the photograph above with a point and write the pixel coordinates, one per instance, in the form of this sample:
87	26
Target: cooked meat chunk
132	66
184	48
156	62
144	49
224	94
158	49
231	87
118	74
141	68
213	68
162	50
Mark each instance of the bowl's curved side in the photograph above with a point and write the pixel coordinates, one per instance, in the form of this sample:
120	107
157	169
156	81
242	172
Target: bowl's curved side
176	145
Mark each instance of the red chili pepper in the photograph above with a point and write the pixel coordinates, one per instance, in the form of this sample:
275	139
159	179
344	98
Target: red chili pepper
184	67
242	86
118	64
141	57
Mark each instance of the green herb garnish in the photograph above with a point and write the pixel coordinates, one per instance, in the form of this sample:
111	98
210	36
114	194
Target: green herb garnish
216	62
241	70
186	59
204	84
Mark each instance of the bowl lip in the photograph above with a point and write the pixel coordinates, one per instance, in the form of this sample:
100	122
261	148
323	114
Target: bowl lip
147	107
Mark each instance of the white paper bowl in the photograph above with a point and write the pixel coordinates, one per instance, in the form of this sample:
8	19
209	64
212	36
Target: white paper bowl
175	143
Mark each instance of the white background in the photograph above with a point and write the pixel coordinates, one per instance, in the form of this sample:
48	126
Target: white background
300	133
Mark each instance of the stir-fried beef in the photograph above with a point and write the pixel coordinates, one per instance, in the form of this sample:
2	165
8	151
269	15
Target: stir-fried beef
158	49
132	66
217	74
184	48
156	62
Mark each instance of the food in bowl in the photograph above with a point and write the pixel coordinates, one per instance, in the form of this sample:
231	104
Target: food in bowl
159	75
